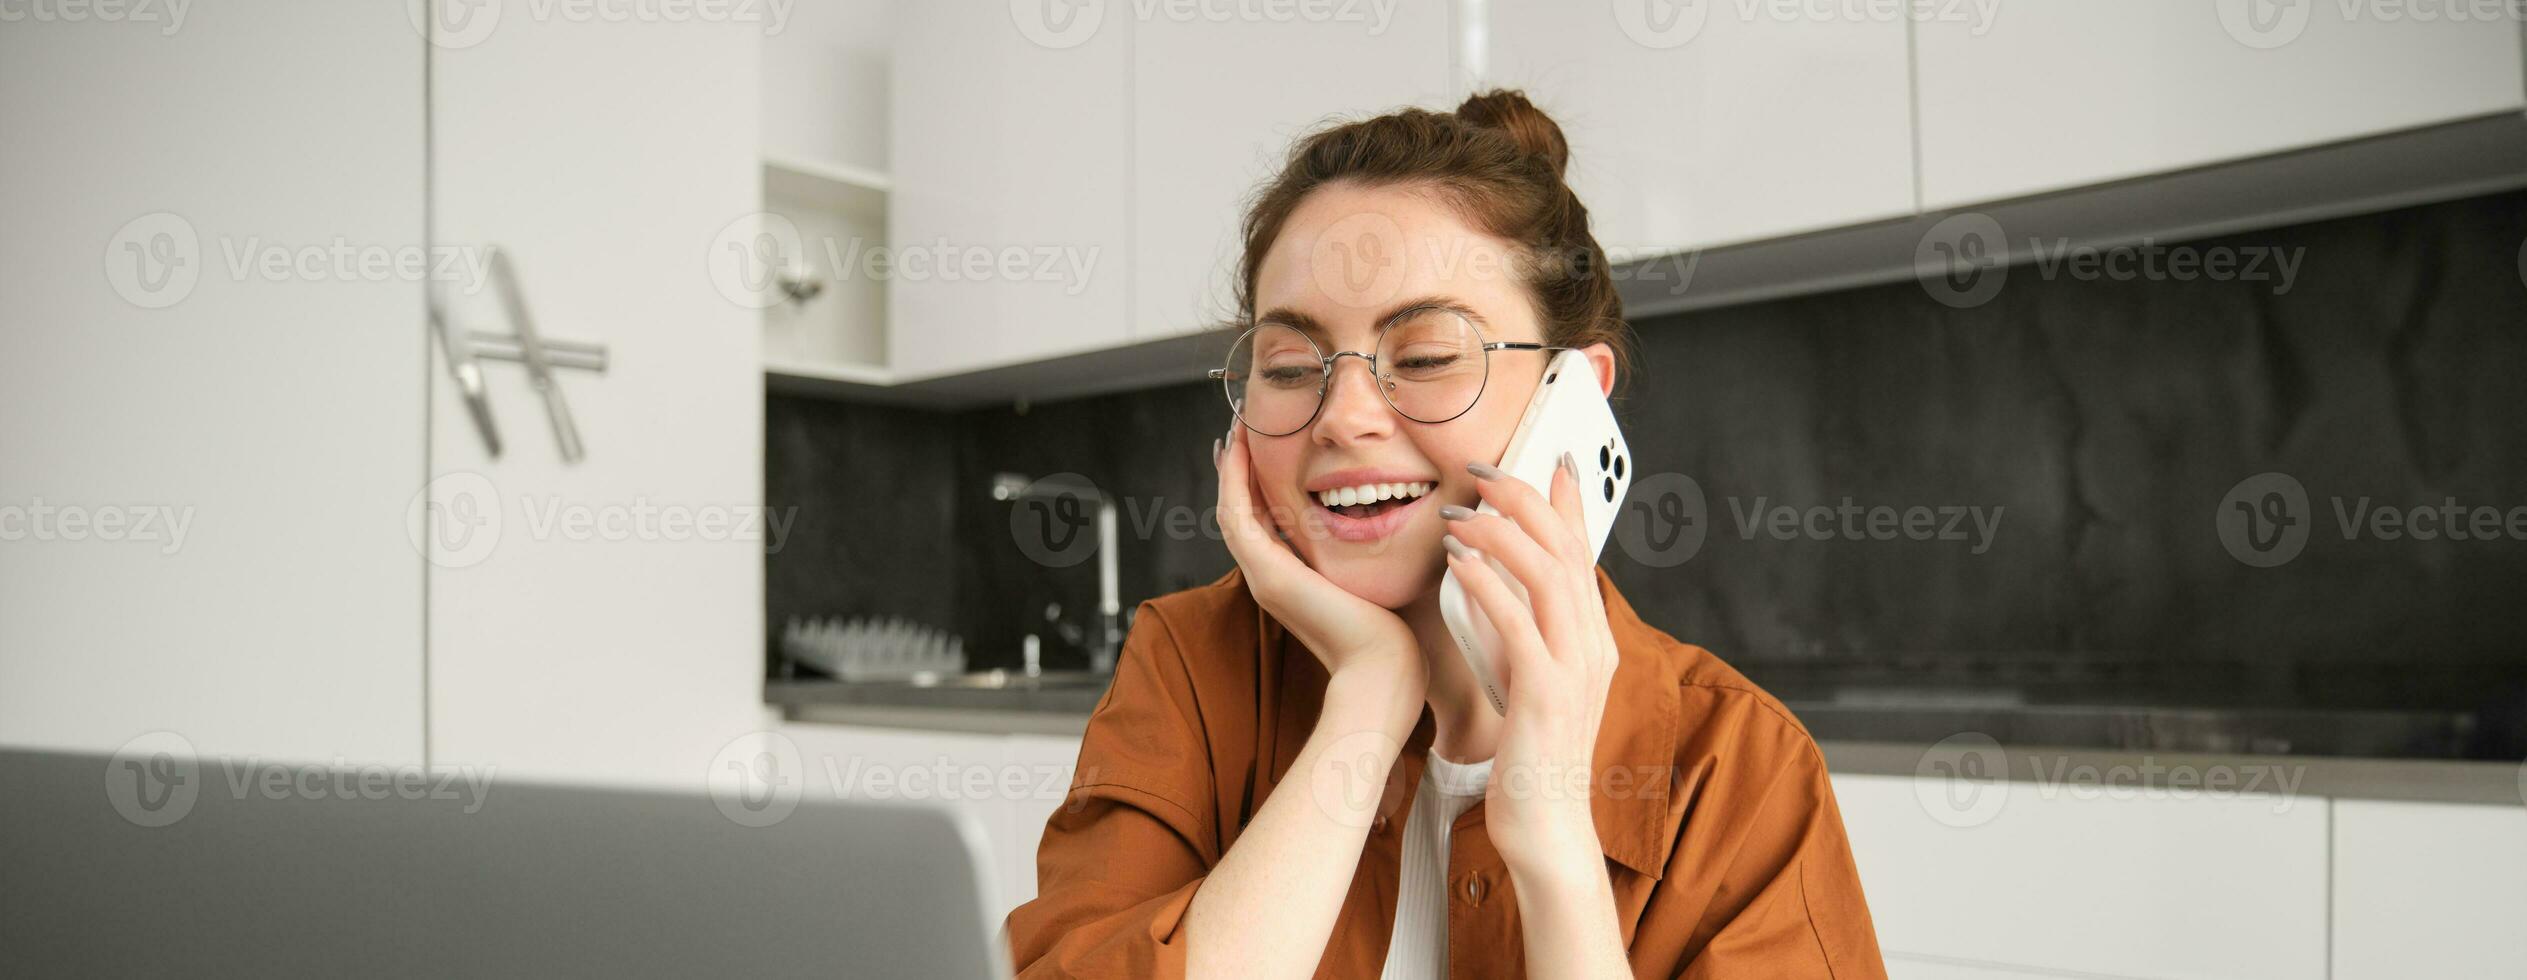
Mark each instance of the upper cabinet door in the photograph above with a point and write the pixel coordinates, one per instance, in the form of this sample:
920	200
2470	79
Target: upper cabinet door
1009	213
601	620
2048	96
1694	124
1216	103
212	380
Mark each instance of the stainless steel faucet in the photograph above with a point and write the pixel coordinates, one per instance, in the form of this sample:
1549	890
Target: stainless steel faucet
1108	641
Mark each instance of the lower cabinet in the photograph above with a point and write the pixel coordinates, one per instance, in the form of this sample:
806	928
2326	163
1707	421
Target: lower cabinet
2429	890
2004	880
1010	783
2029	879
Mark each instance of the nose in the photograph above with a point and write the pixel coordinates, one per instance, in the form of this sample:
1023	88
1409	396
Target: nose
1354	409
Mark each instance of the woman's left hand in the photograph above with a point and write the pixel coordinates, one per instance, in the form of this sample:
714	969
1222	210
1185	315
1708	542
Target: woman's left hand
1558	662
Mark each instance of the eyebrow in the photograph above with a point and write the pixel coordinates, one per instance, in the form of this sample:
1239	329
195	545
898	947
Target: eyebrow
1315	330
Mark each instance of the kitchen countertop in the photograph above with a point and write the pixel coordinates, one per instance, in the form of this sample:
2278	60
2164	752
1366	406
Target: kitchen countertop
2436	756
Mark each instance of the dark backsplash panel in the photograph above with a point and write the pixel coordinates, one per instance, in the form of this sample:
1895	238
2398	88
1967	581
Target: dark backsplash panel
2104	421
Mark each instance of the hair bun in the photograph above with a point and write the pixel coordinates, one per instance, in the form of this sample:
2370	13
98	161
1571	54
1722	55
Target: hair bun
1509	111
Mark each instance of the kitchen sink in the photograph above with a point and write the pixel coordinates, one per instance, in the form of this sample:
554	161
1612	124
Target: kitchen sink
998	679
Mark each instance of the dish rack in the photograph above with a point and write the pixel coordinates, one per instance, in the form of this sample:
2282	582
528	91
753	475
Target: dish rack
871	649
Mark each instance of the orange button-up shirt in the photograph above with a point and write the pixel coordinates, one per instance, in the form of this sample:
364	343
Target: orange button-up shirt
1721	837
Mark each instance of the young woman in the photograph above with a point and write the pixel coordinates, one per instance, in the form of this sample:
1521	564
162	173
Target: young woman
1295	772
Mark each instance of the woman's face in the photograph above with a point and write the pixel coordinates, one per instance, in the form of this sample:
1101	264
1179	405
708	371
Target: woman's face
1349	258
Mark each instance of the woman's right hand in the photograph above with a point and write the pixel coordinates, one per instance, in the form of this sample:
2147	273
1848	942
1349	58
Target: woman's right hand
1346	632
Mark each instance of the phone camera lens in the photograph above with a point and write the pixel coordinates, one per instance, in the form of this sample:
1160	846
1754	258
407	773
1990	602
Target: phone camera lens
1610	489
1618	466
1602	456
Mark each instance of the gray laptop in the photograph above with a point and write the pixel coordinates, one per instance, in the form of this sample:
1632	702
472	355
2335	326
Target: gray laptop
256	877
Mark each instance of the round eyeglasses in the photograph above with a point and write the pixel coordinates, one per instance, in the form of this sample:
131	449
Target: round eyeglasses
1431	365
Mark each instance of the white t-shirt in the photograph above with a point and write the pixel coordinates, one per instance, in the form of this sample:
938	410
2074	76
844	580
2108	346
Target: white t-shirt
1419	950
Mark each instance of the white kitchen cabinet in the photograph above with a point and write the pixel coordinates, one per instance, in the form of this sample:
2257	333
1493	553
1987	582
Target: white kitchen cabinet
603	620
206	458
2047	878
2429	890
2049	96
1010	783
1725	124
1216	104
1009	214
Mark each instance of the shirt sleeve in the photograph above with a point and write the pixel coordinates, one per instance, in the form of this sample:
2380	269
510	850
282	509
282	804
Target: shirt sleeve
1789	903
1135	836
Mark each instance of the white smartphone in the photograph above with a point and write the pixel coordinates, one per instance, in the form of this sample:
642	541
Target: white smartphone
1568	414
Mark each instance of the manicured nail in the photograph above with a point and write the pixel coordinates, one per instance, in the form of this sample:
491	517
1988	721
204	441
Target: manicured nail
1458	548
1216	445
1484	471
1570	464
1455	513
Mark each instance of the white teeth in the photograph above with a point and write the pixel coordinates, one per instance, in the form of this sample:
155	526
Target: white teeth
1370	493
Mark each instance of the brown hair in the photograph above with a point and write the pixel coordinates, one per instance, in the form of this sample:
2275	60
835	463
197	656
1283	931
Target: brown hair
1499	160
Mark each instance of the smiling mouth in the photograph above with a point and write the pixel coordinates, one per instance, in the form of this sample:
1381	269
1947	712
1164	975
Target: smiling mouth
1371	499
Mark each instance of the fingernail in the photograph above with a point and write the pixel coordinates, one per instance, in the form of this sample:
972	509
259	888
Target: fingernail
1485	471
1457	548
1215	453
1455	513
1570	464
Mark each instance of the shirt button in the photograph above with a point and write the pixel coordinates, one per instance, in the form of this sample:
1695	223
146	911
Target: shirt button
1379	823
1474	889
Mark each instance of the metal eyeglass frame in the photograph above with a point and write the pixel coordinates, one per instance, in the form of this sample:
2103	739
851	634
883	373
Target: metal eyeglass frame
1386	385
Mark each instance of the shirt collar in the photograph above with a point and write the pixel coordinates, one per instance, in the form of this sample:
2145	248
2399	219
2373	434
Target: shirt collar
1635	759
